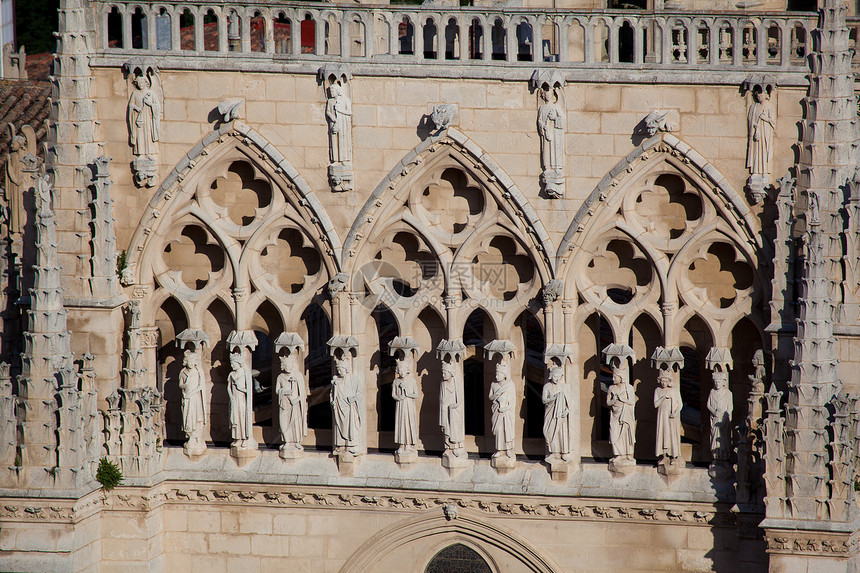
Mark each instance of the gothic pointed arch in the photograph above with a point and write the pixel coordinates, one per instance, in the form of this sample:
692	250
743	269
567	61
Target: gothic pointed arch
231	141
449	148
422	536
665	230
461	209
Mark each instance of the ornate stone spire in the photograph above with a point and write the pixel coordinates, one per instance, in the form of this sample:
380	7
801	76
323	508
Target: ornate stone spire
72	151
48	383
810	476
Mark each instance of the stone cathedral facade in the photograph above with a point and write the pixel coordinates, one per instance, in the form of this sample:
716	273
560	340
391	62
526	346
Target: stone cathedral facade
514	286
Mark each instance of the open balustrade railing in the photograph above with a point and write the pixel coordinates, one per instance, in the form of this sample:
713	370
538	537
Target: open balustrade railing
452	36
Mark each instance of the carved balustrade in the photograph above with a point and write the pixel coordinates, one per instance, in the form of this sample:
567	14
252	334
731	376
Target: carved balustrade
458	36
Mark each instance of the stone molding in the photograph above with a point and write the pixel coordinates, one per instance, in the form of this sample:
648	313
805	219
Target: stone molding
132	498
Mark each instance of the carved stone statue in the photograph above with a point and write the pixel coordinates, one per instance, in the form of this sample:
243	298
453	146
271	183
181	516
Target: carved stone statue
621	399
338	113
144	126
451	410
759	373
240	389
761	124
192	382
551	125
667	400
292	406
405	391
557	397
346	407
721	406
503	397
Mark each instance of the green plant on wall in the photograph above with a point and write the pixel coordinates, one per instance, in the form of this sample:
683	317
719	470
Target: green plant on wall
108	474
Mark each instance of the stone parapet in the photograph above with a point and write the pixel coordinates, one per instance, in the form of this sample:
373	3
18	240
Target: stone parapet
488	40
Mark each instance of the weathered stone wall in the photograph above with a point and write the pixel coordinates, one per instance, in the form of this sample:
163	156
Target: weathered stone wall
330	530
499	116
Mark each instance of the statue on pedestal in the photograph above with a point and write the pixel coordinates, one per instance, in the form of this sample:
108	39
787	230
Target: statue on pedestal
192	383
240	388
451	410
405	391
720	405
557	397
621	399
503	397
144	113
292	406
667	400
346	407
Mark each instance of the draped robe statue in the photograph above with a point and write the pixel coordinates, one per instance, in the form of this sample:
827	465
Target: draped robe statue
292	404
405	391
621	399
144	118
557	398
451	409
192	383
720	406
761	123
240	389
503	398
338	113
346	407
667	400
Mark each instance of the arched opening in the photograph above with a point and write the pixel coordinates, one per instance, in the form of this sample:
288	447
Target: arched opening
457	558
186	31
258	33
234	32
170	321
476	40
452	40
218	324
282	34
533	375
267	325
318	365
114	28
210	32
384	364
139	30
499	39
525	42
477	375
406	37
356	38
430	32
746	340
308	30
595	335
625	42
645	336
163	33
331	36
428	331
695	382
